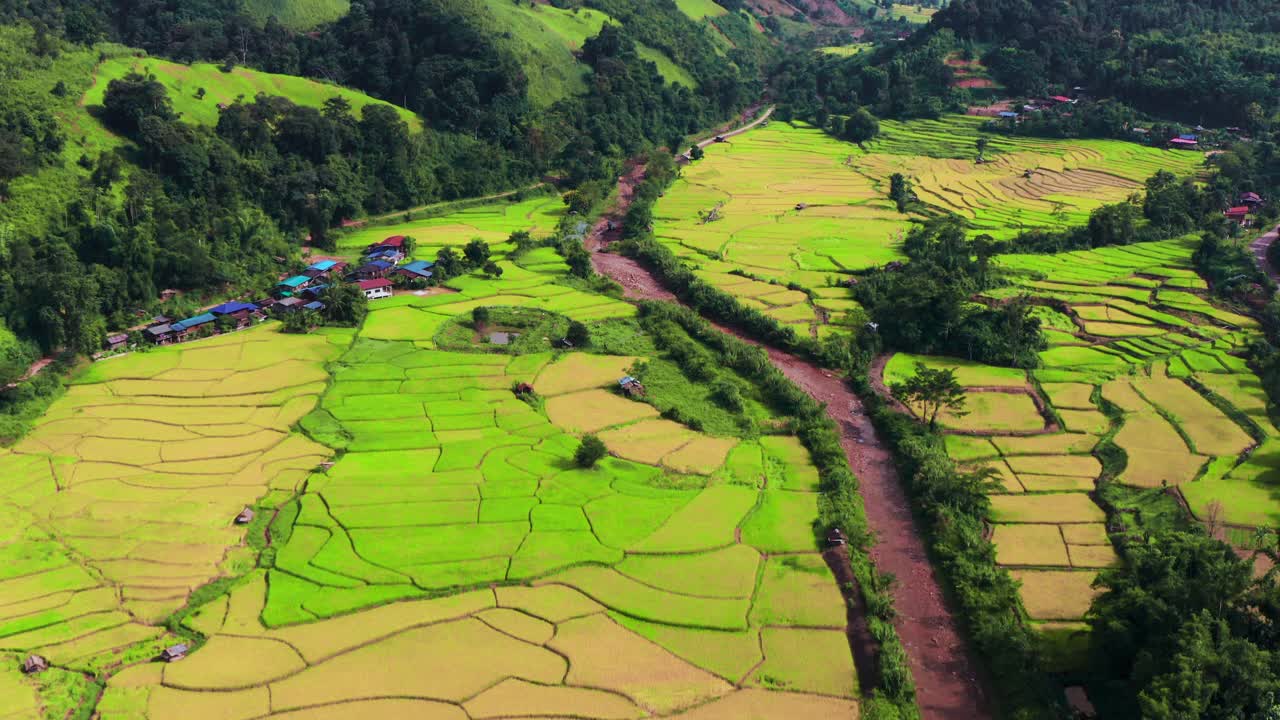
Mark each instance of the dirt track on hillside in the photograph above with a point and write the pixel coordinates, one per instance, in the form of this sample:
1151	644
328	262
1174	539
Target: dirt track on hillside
946	675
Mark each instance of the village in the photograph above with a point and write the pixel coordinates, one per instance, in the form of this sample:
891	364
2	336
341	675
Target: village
381	270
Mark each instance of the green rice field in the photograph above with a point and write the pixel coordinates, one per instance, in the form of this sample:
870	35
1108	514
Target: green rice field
793	204
422	519
492	222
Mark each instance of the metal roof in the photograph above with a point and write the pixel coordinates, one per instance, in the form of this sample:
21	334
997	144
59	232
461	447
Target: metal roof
323	265
191	322
232	307
314	305
295	281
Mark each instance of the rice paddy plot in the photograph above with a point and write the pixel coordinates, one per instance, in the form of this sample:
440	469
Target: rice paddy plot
968	373
492	222
128	497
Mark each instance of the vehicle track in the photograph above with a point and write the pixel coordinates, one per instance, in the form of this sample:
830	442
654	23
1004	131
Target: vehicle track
949	686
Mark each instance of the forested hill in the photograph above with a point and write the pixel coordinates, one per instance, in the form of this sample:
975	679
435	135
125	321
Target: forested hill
1212	62
147	183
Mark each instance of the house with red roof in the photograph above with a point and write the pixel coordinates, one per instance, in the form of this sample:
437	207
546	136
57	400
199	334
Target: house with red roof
395	242
1238	215
375	288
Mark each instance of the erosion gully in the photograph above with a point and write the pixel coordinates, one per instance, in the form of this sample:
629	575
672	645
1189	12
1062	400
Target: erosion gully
949	686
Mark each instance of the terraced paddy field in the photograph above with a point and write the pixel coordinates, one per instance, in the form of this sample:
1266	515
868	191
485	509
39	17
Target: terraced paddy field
1165	384
629	589
795	205
491	222
434	550
119	503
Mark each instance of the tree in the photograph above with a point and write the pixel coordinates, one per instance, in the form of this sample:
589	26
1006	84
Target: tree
479	316
130	99
476	252
581	199
298	322
578	334
695	152
1183	631
492	269
589	451
899	191
15	356
726	393
930	391
861	126
523	241
448	264
345	304
981	144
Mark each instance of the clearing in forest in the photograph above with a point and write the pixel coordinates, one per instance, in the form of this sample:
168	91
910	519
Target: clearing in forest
184	83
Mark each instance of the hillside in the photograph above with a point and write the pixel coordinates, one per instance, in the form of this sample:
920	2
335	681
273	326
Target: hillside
546	39
297	14
32	198
184	83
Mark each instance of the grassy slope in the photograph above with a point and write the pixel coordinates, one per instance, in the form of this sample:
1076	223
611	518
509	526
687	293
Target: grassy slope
545	39
183	81
699	9
35	199
298	14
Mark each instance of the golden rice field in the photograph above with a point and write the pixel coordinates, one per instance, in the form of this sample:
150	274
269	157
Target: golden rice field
518	651
119	503
794	205
1166	383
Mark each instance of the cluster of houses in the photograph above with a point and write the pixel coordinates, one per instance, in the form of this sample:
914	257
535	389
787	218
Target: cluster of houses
305	291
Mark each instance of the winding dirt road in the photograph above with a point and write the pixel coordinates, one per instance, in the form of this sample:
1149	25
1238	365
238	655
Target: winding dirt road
948	684
1259	246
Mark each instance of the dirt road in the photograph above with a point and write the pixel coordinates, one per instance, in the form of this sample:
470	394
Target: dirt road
946	674
1259	248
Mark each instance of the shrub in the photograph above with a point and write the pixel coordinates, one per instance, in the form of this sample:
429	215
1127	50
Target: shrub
590	451
728	395
578	334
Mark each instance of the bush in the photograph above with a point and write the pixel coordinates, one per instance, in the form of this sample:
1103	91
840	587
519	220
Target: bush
578	334
590	451
728	395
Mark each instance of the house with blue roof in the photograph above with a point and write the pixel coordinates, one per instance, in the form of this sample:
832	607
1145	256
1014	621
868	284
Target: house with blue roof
315	305
184	328
374	269
324	269
416	270
241	312
292	285
391	255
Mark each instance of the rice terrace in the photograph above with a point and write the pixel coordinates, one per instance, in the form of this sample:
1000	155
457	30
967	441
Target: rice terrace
630	359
